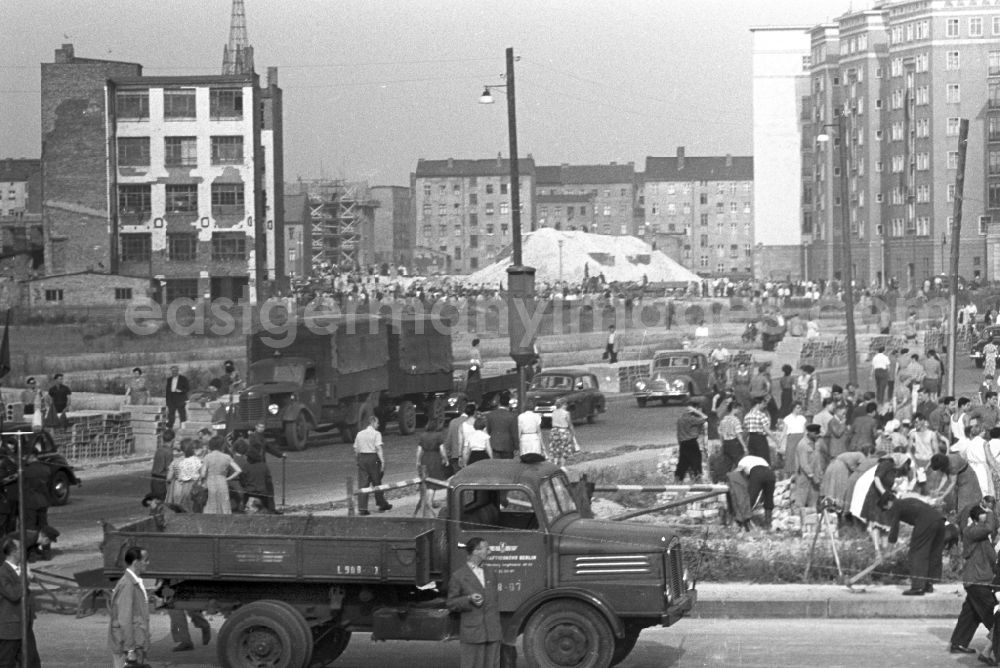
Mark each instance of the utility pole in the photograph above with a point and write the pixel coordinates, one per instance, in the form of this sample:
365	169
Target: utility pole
848	272
956	230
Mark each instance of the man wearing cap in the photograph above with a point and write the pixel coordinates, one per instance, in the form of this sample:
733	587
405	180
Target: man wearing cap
690	425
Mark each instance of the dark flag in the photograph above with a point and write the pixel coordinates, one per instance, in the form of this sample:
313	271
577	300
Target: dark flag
5	348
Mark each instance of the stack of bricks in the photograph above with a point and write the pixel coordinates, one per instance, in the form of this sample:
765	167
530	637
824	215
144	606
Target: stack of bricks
148	424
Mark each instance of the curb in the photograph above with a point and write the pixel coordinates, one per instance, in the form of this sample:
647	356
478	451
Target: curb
821	608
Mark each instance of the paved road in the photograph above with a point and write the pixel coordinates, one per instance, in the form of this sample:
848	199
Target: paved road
764	643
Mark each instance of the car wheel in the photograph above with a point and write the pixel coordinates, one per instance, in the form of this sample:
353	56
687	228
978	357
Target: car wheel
60	488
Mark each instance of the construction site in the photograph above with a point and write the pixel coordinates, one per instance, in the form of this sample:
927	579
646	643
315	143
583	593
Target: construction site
341	222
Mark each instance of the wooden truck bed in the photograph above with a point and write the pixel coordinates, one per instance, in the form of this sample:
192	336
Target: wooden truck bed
268	547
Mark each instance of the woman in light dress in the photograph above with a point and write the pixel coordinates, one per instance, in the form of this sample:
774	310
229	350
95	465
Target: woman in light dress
562	437
136	393
217	469
183	473
793	428
477	443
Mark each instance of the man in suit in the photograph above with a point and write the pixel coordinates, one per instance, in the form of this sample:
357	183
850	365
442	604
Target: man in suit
472	592
177	396
128	630
501	423
10	610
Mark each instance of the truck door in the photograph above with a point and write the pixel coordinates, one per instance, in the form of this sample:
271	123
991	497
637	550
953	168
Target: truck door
508	519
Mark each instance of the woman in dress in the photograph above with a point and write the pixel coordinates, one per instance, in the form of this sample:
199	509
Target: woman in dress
807	391
732	435
837	435
432	457
787	385
561	436
837	476
990	351
477	444
741	385
184	472
217	469
136	392
793	428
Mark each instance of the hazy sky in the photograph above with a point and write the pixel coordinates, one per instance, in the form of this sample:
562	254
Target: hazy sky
370	86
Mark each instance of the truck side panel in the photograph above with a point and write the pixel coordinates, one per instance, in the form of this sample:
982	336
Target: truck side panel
420	358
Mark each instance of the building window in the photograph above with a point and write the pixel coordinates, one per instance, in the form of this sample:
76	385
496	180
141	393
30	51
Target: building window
951	192
133	151
993	199
921	62
227	199
226	103
179	104
703	241
953	93
952	60
607	210
923	161
181	288
878	197
704	220
953	160
473	199
132	105
671	209
734	251
923	95
180	151
923	226
182	198
54	295
134	200
897	164
923	193
474	219
951	129
227	150
703	198
228	246
951	28
136	247
123	294
503	188
427	190
993	95
923	127
490	230
975	27
489	208
504	208
878	166
182	246
442	209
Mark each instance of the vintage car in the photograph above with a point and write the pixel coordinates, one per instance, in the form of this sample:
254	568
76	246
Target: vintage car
674	374
976	351
585	400
486	395
62	476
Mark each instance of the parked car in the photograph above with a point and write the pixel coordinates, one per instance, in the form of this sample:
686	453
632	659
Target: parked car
585	401
976	351
674	374
62	476
487	395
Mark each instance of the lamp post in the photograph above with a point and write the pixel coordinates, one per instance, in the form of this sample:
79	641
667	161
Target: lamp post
520	279
845	233
560	260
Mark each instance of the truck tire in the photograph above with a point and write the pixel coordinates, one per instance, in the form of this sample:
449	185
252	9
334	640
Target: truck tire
60	488
568	634
407	416
624	646
435	414
329	642
297	433
265	633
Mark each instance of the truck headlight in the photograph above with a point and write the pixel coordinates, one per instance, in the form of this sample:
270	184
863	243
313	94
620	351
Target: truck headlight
640	385
273	409
452	401
679	384
219	426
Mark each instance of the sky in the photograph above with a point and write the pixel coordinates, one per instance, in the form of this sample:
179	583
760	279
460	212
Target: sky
370	87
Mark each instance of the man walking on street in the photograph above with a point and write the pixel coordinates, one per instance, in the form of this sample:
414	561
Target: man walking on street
10	610
472	592
371	465
454	441
128	629
611	348
880	373
977	576
690	425
177	396
60	398
501	424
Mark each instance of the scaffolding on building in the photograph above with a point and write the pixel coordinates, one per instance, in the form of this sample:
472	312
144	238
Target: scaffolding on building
338	211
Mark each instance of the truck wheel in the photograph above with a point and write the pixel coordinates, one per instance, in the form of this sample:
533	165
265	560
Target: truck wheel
329	642
265	633
407	416
435	414
624	646
568	634
60	488
641	401
297	433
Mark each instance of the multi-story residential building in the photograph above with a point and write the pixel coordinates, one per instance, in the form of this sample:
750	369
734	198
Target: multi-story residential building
610	191
174	178
21	214
393	225
896	81
298	236
708	201
463	211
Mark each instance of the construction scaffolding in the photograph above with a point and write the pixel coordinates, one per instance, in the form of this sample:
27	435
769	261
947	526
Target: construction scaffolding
342	215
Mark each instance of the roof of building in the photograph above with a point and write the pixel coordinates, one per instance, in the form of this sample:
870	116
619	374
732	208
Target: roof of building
585	174
191	80
565	198
19	169
295	209
489	167
693	168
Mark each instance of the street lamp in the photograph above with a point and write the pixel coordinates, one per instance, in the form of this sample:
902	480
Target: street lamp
520	279
560	259
845	233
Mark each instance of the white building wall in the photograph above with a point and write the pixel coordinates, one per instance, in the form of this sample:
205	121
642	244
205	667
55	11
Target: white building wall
779	63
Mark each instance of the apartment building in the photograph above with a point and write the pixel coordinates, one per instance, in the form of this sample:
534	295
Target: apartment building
591	198
702	206
21	240
393	225
889	87
174	178
463	211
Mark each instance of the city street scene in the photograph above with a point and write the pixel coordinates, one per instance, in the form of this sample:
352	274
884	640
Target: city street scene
479	334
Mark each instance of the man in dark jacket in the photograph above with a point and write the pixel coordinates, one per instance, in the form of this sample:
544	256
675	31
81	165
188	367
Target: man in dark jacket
10	610
177	395
501	423
472	591
926	542
977	576
36	492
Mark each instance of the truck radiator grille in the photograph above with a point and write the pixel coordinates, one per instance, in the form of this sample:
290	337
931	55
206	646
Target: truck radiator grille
619	564
675	570
251	409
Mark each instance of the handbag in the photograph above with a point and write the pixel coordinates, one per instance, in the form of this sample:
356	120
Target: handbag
199	496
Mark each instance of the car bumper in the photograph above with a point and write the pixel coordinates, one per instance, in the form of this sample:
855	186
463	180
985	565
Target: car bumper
975	356
544	411
680	608
661	394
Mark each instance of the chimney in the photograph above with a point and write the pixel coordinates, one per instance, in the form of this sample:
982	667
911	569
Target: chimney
729	160
65	54
272	76
680	157
451	163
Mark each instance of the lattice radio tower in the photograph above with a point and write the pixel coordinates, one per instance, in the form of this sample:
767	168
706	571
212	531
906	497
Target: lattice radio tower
237	56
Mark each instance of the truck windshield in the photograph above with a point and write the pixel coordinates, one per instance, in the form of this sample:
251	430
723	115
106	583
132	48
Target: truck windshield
557	500
671	362
276	373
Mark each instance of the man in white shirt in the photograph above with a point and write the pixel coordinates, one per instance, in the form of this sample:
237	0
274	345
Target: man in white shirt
880	372
371	465
760	482
529	436
611	349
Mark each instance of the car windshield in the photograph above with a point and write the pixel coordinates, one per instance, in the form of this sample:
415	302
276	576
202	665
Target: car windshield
552	383
671	362
270	372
